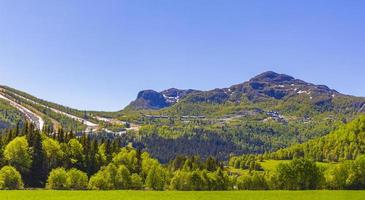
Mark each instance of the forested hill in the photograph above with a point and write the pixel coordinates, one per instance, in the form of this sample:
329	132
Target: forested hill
346	143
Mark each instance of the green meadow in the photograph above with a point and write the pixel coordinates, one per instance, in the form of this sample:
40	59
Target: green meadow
172	195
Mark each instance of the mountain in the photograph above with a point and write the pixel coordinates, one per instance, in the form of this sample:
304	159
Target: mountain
268	86
269	112
150	99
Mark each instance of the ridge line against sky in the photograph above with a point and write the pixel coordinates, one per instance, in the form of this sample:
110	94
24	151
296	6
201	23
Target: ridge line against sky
97	55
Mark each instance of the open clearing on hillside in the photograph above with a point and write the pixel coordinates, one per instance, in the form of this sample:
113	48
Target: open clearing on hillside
172	195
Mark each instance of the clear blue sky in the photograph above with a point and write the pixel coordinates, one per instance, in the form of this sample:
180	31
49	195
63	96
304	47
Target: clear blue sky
98	54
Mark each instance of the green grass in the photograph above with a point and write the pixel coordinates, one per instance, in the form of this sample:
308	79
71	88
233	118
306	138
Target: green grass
170	195
271	165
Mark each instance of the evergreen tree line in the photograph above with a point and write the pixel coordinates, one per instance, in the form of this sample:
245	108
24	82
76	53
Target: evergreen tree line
34	154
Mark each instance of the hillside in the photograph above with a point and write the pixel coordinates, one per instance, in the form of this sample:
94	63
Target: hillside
269	112
9	115
345	143
42	113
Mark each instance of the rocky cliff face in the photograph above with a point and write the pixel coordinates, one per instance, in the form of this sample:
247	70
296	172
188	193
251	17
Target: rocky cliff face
150	99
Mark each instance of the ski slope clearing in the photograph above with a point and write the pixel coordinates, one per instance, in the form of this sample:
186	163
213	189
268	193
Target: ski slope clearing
90	125
31	116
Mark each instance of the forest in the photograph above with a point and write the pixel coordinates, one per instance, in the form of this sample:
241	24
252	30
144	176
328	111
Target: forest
62	161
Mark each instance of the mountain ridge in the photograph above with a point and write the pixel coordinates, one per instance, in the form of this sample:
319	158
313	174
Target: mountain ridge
261	87
268	112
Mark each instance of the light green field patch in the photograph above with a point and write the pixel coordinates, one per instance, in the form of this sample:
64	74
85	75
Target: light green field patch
271	165
170	195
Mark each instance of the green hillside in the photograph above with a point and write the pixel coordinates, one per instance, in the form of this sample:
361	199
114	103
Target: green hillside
346	143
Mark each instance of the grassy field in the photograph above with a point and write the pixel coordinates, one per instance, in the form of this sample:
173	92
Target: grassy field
271	165
143	195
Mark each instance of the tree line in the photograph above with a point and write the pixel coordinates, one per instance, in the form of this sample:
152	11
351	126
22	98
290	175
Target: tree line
34	159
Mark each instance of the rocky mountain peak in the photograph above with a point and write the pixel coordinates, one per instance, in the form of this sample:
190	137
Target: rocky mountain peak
273	77
262	87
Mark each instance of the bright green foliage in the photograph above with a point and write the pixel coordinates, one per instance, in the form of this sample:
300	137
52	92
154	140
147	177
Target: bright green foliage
200	180
181	181
10	178
346	143
58	179
257	181
111	177
75	152
156	178
114	168
246	162
123	179
101	155
175	195
136	182
349	175
128	157
147	163
17	154
53	151
219	180
77	179
185	180
101	180
300	174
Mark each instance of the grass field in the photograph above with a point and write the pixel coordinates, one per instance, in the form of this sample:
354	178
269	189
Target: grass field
271	165
143	195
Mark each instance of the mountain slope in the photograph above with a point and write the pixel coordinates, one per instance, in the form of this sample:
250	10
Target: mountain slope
269	112
9	115
345	143
43	113
29	115
150	99
268	90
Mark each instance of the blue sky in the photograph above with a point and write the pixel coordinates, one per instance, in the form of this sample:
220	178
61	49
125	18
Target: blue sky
98	54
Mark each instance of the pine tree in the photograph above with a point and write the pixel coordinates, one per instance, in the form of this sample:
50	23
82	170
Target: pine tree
38	170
